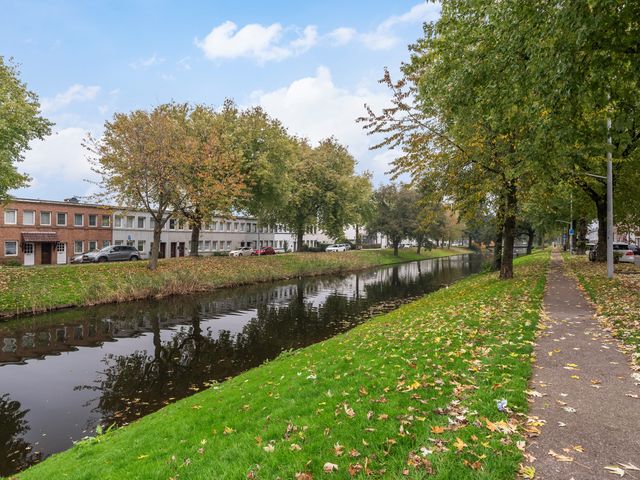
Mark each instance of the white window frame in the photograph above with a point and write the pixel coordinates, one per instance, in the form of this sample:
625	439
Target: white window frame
127	224
66	219
143	244
33	212
144	222
95	223
75	246
95	245
15	216
45	213
107	218
81	224
15	242
117	221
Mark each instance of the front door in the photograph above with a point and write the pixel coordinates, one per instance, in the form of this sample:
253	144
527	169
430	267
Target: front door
174	248
46	253
163	249
61	249
29	255
181	249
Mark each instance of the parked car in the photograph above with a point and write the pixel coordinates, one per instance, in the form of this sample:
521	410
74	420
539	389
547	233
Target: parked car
622	252
264	251
114	253
241	252
337	247
79	258
279	250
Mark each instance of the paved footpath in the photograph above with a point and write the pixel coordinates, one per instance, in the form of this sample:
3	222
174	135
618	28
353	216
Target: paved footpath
590	396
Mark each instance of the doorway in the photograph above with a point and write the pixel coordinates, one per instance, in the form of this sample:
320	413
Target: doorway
29	255
45	253
174	248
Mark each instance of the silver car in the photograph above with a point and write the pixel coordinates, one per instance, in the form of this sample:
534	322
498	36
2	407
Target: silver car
113	253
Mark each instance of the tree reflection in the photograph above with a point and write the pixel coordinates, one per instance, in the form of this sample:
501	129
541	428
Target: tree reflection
15	452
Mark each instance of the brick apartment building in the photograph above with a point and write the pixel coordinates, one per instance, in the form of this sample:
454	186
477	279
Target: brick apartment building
43	232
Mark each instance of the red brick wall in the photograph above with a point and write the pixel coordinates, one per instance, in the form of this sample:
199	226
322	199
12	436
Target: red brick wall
66	234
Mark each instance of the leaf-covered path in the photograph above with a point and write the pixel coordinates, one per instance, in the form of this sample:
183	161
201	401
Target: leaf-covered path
584	391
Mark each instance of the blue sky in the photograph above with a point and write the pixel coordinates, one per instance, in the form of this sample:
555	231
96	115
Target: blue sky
311	64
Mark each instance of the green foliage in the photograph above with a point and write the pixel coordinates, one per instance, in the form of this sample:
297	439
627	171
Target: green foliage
20	123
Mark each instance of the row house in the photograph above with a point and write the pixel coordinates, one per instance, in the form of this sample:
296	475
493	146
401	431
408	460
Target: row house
43	232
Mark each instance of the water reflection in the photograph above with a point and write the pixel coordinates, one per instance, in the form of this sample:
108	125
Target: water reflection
72	370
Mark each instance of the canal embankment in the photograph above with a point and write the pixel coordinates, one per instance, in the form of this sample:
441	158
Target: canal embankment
31	290
436	387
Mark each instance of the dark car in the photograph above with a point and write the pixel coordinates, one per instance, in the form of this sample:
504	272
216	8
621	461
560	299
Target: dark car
114	253
265	251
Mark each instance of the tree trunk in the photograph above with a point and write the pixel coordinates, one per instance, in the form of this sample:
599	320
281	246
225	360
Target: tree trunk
155	251
601	252
419	248
300	236
508	235
530	235
395	247
195	236
357	236
581	243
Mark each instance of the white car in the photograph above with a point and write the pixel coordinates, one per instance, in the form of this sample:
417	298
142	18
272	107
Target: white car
337	247
241	252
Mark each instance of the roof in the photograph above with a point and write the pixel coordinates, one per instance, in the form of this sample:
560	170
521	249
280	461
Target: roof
41	237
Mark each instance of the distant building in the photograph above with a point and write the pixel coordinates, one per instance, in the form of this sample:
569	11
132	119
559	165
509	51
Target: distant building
44	232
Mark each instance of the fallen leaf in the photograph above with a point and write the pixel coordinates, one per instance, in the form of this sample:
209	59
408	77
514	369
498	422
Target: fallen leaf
615	470
329	467
459	444
560	458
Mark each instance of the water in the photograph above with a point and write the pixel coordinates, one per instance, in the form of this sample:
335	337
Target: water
64	373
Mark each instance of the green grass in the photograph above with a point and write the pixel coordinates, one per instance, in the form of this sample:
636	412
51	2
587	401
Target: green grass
392	397
617	300
37	289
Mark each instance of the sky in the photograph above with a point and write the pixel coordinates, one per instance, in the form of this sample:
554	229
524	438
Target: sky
311	64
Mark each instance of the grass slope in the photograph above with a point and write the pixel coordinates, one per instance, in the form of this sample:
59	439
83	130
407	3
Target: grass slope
617	301
37	289
412	392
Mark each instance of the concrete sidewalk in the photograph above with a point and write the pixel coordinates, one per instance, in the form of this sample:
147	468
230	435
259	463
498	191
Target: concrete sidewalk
590	399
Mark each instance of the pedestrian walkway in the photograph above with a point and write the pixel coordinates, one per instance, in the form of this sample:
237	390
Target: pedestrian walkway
584	390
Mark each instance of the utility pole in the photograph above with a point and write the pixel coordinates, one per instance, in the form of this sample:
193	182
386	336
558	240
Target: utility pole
609	204
571	231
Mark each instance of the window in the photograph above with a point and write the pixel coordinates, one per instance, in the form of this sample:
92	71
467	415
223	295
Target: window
214	226
117	221
228	244
45	218
235	226
130	243
61	219
78	220
28	248
228	226
105	220
29	217
207	245
242	227
152	223
200	245
93	245
141	222
130	220
10	248
93	220
10	217
118	242
172	224
78	246
105	243
214	245
141	245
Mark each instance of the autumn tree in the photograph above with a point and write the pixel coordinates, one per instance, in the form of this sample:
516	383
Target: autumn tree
213	183
143	159
321	189
20	123
396	213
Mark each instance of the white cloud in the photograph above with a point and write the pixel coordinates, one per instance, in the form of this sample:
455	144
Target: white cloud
146	63
341	36
75	93
309	39
58	166
314	107
383	37
251	41
185	63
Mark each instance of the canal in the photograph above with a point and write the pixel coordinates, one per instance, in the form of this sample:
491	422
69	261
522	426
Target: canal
62	374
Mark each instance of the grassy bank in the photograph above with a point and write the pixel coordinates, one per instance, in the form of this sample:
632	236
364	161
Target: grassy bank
617	301
410	393
37	289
